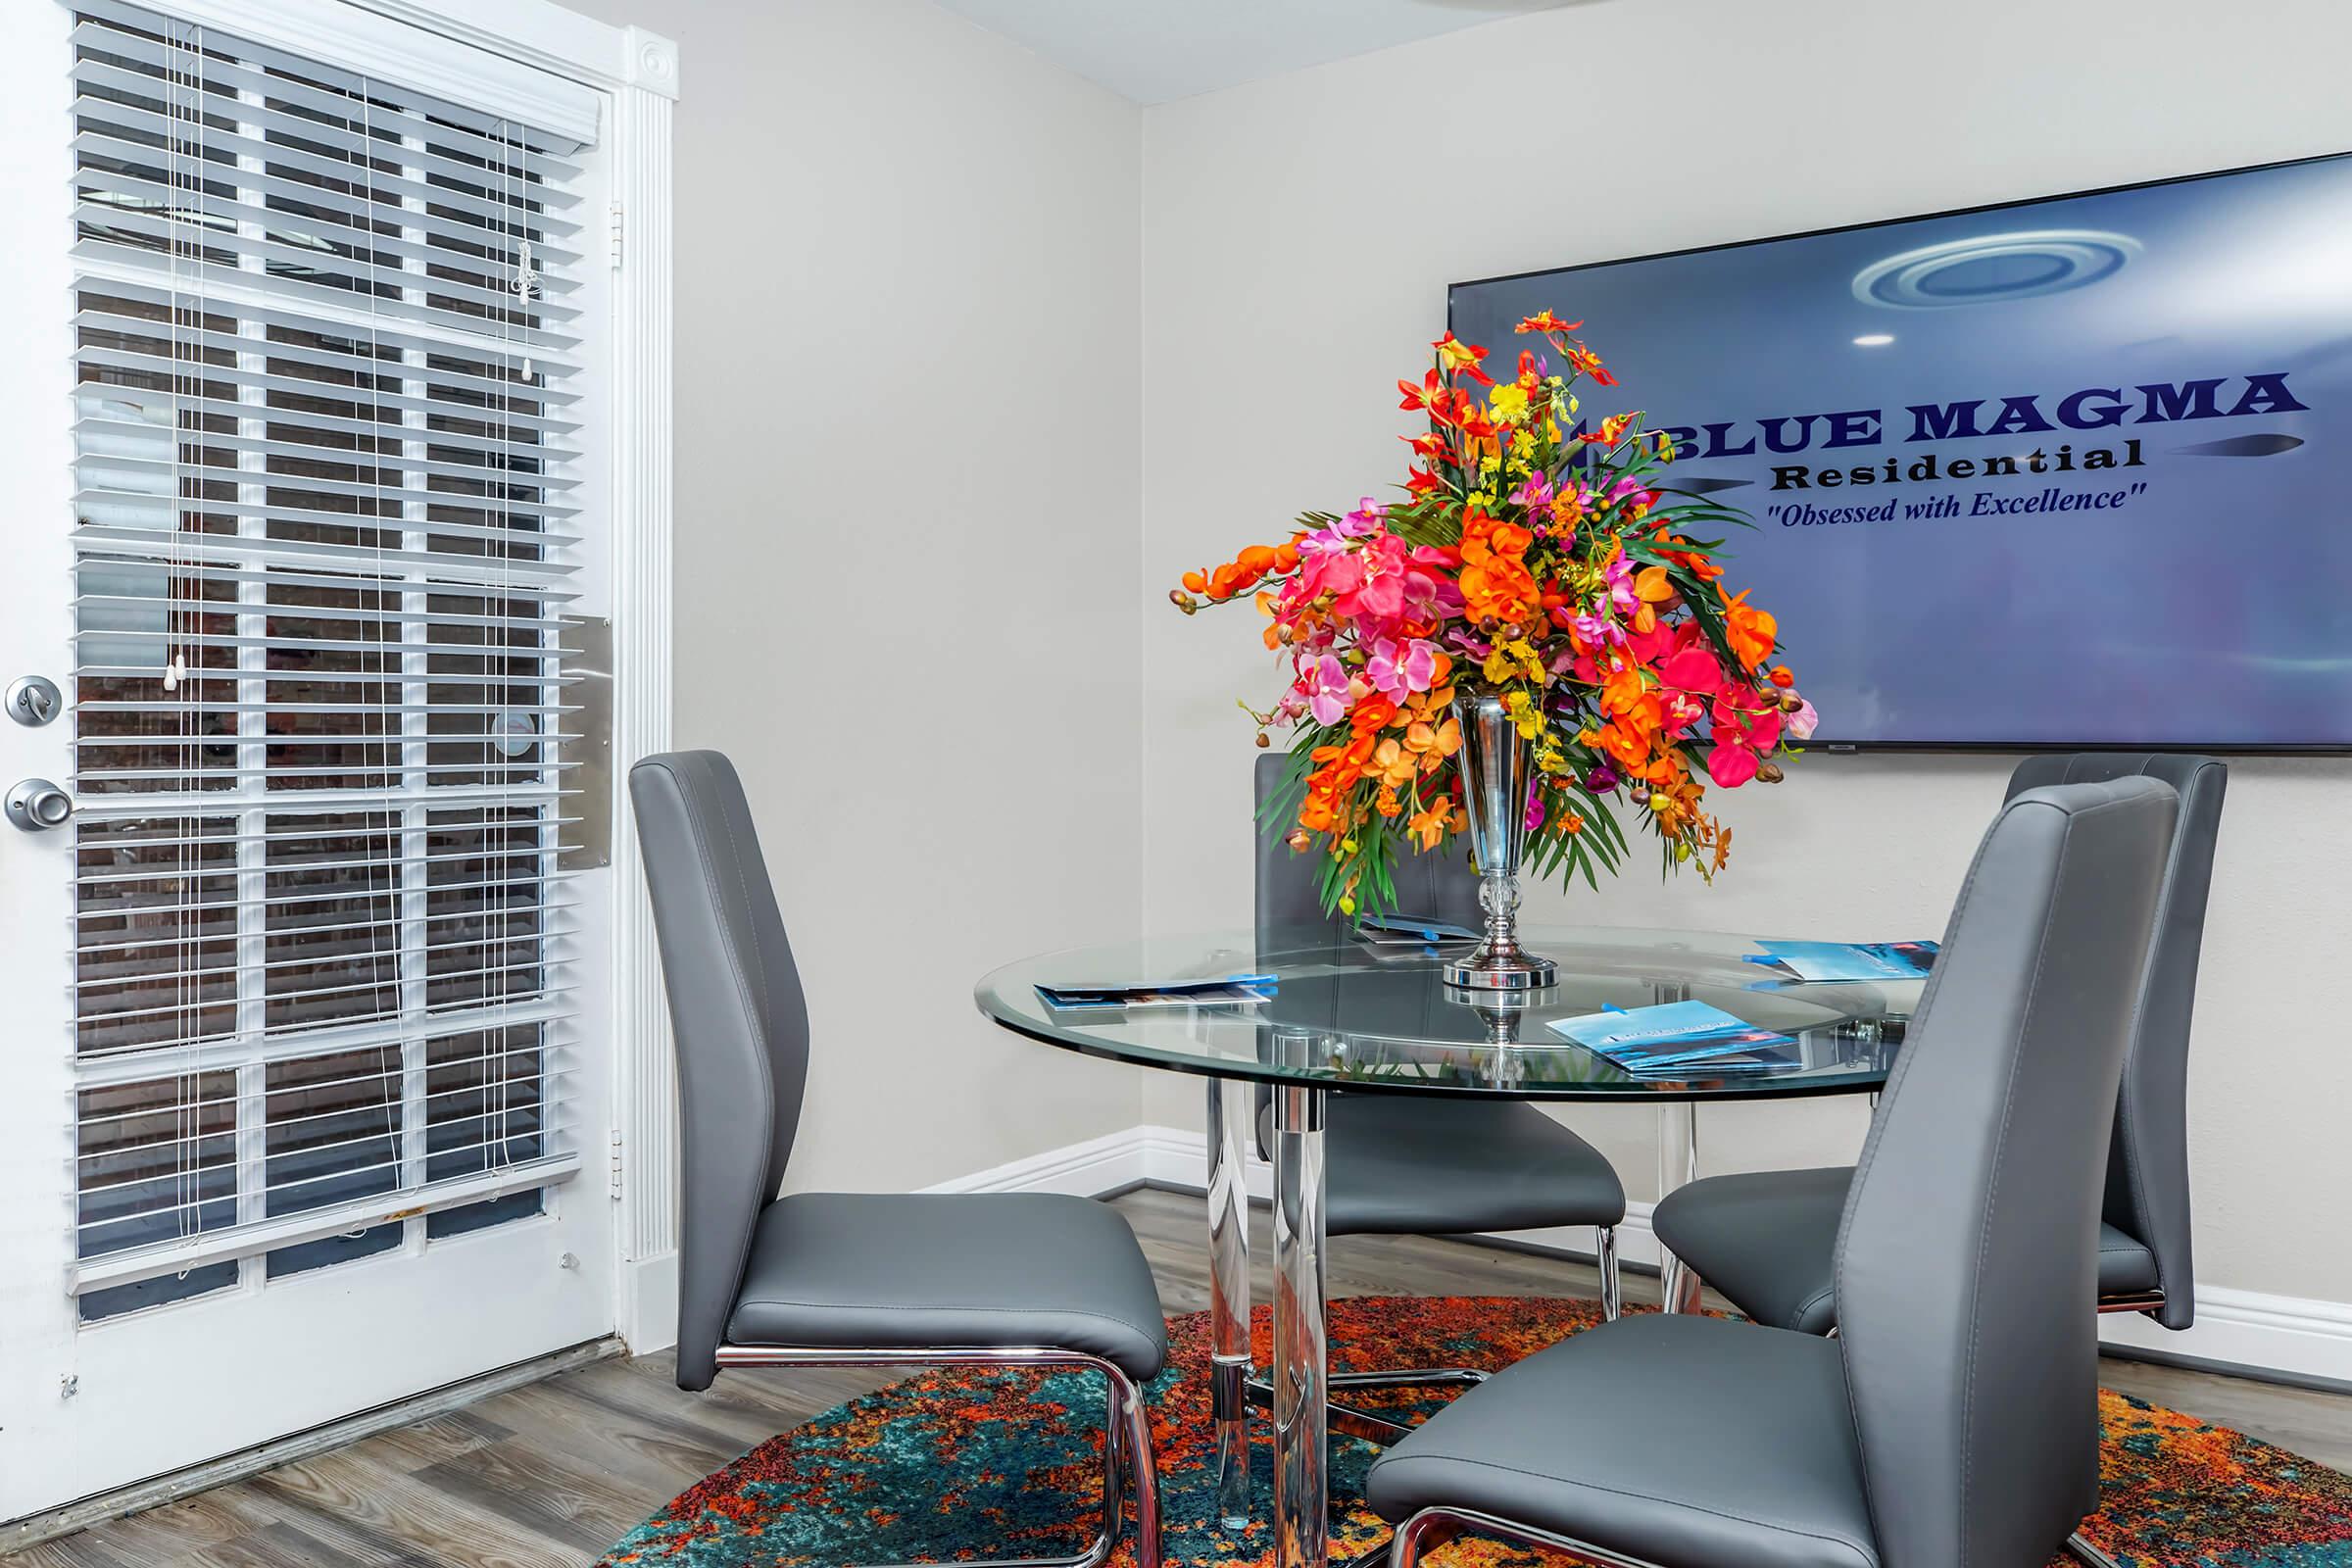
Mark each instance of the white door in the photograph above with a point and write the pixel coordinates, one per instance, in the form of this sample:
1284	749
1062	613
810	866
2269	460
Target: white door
303	379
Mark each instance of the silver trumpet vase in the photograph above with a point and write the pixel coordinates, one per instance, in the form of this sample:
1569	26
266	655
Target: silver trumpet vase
1495	770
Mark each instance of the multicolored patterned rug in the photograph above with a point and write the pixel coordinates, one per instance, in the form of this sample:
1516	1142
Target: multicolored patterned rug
975	1464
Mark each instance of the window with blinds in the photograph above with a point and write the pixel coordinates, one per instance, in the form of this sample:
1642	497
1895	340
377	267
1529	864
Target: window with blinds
326	462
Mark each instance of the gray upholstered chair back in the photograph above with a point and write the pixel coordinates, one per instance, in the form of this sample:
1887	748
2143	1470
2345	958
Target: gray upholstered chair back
1970	1238
742	1028
2147	1164
1438	885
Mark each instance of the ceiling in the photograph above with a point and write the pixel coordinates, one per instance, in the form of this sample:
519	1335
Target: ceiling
1155	50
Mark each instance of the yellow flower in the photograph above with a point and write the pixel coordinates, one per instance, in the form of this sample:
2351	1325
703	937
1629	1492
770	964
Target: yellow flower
1508	402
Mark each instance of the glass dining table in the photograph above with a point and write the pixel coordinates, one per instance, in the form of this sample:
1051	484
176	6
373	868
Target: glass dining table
1342	1014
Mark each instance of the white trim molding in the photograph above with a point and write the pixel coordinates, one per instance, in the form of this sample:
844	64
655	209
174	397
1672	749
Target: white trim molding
2277	1336
644	1073
2292	1334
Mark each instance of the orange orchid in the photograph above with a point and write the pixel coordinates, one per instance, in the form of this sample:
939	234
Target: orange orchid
1462	359
1587	363
1752	634
1429	827
1432	395
1394	765
1653	588
1546	322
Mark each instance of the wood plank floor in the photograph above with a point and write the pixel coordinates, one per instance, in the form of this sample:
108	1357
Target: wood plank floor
549	1475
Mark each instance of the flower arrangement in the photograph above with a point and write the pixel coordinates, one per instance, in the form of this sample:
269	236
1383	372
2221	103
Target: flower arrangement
1540	558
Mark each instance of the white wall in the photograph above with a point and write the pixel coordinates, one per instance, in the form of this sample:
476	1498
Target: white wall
1299	238
907	468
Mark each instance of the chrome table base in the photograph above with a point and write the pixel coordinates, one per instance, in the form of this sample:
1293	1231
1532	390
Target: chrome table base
1678	1165
1301	1345
1298	1396
1229	1297
1298	1391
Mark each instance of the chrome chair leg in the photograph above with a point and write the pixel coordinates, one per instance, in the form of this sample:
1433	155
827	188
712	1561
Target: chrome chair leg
2083	1551
1433	1527
1679	1283
1126	1441
1604	1256
1360	1423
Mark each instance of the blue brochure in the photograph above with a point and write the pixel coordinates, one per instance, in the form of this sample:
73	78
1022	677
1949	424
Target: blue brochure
1233	991
1679	1039
1848	960
1411	928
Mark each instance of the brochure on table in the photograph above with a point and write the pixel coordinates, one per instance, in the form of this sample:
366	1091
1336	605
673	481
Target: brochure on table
1885	962
1679	1039
1229	990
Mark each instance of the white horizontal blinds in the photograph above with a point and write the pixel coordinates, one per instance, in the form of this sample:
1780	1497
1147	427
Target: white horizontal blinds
328	469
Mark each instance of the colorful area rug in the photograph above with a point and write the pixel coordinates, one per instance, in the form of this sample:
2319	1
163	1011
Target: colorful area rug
962	1465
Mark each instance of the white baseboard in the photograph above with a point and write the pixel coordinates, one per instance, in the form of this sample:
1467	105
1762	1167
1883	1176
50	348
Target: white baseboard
2283	1334
2279	1335
1106	1164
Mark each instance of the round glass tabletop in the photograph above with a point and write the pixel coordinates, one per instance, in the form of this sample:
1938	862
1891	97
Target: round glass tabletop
1342	1012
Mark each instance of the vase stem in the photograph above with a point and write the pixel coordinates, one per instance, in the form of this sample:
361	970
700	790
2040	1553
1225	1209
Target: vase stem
1496	776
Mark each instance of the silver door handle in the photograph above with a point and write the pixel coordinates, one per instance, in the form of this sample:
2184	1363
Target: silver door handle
35	804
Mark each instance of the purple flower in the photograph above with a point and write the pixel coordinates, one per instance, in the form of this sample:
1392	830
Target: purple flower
1535	807
1600	778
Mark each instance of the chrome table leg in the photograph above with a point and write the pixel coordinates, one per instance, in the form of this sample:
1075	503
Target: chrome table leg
1302	1415
1229	1299
1677	1163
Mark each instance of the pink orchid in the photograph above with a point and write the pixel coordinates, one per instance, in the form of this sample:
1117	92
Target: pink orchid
1537	491
1323	682
1691	669
1595	631
1729	765
1619	577
1400	674
1742	738
1629	489
1801	723
1378	597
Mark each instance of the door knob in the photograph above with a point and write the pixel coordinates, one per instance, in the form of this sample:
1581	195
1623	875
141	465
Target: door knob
35	804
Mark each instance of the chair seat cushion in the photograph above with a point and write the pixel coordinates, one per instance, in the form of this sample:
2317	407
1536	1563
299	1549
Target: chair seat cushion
914	1271
1426	1165
1670	1440
2125	1267
1765	1239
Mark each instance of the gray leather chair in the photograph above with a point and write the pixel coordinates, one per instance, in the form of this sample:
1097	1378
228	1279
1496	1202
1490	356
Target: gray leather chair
1955	1421
1399	1164
1764	1240
841	1279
